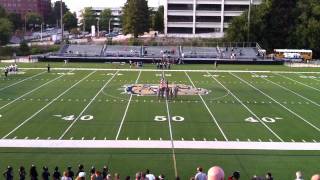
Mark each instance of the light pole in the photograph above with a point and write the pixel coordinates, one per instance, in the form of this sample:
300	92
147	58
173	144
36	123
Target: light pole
25	24
61	21
98	27
110	25
41	31
249	21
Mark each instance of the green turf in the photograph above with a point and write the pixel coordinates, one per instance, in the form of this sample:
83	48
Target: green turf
28	111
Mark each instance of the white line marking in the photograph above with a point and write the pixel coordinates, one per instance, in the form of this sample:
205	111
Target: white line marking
248	109
292	112
154	70
156	144
292	92
171	135
298	82
205	104
21	81
126	110
52	101
16	99
67	130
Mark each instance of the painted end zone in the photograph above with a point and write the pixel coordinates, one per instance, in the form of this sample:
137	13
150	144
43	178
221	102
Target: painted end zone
156	144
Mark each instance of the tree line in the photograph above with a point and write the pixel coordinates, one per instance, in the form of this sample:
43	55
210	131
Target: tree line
293	24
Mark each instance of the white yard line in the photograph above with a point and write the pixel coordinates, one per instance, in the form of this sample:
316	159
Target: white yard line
70	126
1	89
171	135
16	99
178	70
156	144
287	89
298	82
125	112
249	110
52	101
292	112
205	104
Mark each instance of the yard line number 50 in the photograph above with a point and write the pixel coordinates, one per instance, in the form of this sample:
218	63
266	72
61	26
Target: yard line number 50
173	118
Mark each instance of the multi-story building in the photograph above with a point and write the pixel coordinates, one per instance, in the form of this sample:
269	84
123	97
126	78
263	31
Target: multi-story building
202	18
116	13
23	7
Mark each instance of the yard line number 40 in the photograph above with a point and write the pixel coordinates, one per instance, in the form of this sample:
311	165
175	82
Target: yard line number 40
264	119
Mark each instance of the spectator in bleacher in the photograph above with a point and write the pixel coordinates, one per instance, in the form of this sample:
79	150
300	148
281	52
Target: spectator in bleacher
269	176
70	172
299	175
98	175
105	172
161	177
93	173
65	176
22	173
257	178
315	177
109	177
80	169
8	174
116	176
200	175
45	173
215	173
235	176
138	176
56	174
143	176
149	175
33	173
81	176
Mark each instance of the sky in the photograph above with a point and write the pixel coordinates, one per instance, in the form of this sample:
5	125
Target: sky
77	5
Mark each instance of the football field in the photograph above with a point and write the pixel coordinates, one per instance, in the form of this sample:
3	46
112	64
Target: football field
224	114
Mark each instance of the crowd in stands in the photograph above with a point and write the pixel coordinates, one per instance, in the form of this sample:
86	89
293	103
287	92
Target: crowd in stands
12	69
214	173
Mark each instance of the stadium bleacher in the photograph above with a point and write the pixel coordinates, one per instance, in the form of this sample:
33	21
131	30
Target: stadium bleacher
186	54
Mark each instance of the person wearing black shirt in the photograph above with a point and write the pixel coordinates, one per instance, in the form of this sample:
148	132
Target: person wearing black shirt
56	175
22	173
45	174
8	174
70	173
105	172
48	67
33	173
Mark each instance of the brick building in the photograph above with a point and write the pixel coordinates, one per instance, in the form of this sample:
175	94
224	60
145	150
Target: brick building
22	7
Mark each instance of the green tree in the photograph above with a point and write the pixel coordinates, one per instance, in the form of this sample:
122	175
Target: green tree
135	17
34	20
158	21
16	21
307	33
5	31
24	48
70	20
56	10
3	12
105	16
88	18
